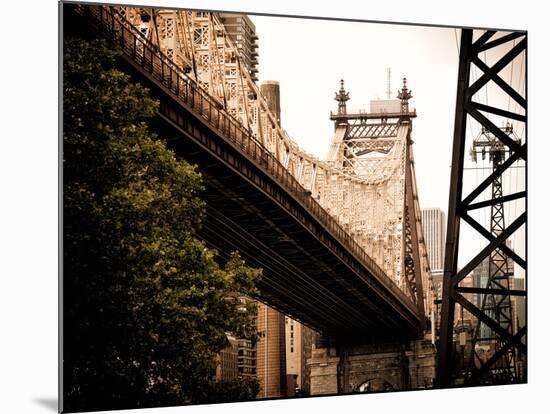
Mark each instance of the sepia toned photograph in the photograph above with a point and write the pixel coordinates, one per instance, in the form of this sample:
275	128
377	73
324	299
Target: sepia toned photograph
261	207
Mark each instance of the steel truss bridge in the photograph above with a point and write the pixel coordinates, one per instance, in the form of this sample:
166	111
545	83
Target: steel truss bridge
340	240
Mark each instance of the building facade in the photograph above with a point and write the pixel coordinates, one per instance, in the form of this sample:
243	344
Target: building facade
271	91
461	314
293	331
300	342
227	367
271	352
434	227
437	277
242	32
246	358
519	305
480	276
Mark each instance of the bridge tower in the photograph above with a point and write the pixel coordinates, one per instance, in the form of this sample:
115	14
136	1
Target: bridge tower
374	150
375	147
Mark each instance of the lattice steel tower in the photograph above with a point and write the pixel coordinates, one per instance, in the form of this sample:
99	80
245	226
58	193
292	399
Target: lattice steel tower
491	314
495	304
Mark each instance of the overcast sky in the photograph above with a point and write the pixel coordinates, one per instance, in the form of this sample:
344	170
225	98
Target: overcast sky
309	57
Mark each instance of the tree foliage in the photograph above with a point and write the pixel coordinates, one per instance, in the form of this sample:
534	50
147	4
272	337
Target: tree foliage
237	390
146	304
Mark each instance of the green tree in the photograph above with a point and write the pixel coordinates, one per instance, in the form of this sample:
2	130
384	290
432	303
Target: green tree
237	390
146	304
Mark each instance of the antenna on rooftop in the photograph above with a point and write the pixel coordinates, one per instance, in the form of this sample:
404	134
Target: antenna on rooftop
388	89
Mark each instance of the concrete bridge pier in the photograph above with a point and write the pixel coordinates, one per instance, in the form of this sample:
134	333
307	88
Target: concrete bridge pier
406	365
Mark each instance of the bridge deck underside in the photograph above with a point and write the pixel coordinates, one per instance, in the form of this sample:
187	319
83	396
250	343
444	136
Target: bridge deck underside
302	277
308	273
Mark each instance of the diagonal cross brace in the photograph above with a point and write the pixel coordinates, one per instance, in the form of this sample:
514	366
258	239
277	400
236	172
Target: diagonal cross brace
490	322
487	234
494	244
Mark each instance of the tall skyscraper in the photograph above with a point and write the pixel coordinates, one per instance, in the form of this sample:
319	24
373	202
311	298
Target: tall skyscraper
242	32
271	352
434	228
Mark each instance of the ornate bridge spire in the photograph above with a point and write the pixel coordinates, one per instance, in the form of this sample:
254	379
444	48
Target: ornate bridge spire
404	95
341	97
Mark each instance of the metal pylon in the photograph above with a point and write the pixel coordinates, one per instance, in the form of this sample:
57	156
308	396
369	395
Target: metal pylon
494	313
497	306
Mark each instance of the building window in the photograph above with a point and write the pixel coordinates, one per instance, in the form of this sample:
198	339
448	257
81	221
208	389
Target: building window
291	349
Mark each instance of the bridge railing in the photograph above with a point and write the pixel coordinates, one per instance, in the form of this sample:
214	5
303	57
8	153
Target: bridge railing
142	52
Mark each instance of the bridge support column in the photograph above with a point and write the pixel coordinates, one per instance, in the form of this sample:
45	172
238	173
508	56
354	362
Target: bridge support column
422	358
323	366
393	366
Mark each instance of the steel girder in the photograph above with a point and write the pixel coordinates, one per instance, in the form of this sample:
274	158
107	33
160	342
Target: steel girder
506	341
